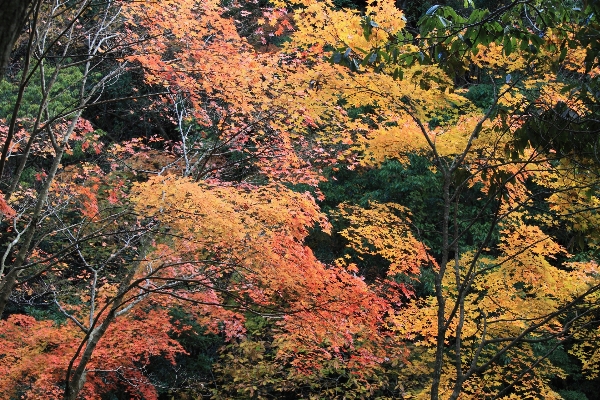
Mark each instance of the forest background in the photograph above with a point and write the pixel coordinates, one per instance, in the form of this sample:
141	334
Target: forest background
299	199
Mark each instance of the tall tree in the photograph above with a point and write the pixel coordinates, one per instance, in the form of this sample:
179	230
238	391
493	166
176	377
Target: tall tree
204	222
13	18
70	45
484	309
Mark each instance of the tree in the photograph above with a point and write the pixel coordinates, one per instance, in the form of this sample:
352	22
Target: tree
488	296
131	230
51	128
55	214
104	240
14	16
238	107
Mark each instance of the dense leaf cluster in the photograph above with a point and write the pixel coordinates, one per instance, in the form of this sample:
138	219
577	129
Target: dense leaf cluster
287	199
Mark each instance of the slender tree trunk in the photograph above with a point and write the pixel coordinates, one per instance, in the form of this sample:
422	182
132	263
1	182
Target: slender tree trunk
439	291
77	376
7	284
13	16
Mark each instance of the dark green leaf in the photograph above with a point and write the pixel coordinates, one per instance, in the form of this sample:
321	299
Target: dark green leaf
432	10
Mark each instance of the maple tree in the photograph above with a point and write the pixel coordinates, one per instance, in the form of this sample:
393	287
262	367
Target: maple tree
13	19
68	83
491	151
53	220
472	293
99	248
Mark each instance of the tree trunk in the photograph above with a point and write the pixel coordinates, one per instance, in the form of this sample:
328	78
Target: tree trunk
439	291
9	281
13	15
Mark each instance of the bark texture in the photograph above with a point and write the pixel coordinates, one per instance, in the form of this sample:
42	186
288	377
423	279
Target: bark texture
13	16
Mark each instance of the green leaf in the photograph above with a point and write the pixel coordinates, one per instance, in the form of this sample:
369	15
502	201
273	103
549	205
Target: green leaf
507	45
432	10
398	74
563	53
443	21
384	55
524	45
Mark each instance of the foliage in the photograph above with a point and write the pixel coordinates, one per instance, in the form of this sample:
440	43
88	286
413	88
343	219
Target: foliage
462	149
37	353
318	200
63	94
